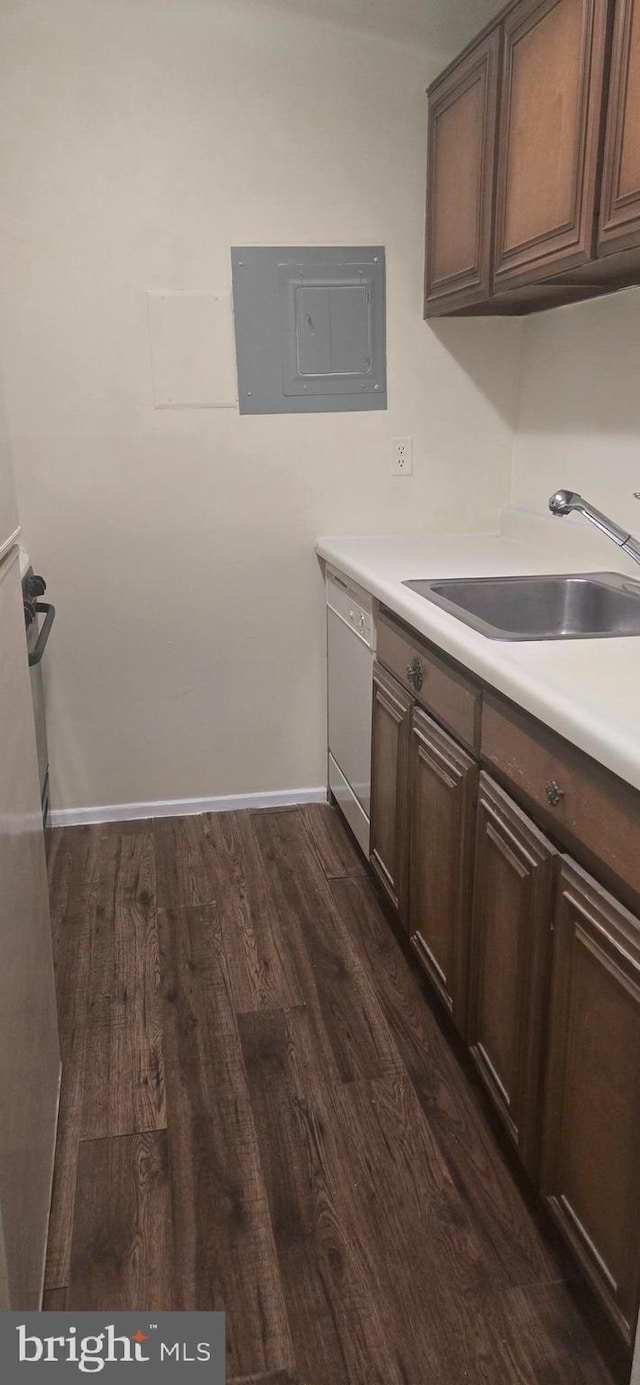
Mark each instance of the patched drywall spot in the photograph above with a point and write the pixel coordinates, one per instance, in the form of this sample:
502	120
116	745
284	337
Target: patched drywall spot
192	350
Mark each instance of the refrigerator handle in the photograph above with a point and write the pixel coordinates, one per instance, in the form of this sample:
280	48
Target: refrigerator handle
49	612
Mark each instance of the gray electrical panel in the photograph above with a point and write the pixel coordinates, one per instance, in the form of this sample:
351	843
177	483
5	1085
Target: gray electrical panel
310	326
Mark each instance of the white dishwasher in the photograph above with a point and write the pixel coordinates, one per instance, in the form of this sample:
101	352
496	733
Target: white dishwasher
351	644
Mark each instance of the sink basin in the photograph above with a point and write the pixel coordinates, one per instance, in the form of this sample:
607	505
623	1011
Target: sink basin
581	606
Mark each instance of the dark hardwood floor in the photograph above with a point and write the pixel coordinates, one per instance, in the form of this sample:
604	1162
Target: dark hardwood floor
261	1113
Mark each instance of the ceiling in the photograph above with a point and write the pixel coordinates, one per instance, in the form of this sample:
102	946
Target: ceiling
443	25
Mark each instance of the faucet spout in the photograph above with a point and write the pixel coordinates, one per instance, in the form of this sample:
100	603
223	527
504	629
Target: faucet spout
562	502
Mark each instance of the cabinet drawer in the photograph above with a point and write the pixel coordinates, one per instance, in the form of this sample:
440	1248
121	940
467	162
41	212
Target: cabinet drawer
581	800
451	697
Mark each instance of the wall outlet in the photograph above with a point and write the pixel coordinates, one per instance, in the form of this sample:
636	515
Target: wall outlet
402	456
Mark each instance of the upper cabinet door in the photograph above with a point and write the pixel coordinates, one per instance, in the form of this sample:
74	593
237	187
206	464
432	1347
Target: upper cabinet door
620	205
549	138
462	135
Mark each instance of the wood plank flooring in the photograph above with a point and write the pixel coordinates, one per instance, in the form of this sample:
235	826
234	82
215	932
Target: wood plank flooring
122	1251
261	1112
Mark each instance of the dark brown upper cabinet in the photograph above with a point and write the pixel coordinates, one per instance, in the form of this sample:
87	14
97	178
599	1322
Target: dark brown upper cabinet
462	136
549	138
620	206
533	180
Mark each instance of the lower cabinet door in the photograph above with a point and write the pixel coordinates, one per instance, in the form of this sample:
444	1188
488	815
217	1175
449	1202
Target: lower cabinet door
391	726
591	1143
444	781
510	961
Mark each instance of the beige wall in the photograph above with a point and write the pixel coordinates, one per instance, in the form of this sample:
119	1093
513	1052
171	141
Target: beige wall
579	415
146	138
8	511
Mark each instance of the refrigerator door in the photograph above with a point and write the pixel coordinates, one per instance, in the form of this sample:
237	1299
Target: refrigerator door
29	1050
9	529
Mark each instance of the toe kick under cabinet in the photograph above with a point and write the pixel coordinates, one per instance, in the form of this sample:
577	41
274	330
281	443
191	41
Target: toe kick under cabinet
512	861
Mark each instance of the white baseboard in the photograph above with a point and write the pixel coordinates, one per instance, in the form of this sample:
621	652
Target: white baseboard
184	807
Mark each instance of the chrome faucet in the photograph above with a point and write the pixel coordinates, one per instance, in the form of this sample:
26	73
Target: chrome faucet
563	502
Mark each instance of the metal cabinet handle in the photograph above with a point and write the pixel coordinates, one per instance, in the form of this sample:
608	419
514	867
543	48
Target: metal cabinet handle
554	792
415	673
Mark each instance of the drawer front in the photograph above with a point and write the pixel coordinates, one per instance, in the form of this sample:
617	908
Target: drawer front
453	699
578	797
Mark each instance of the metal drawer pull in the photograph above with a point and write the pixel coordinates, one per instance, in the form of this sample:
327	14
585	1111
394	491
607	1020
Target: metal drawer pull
415	674
554	792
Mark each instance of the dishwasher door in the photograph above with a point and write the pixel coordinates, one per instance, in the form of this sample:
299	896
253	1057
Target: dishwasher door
350	650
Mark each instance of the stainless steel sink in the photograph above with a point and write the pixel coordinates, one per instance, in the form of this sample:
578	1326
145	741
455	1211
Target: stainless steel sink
581	606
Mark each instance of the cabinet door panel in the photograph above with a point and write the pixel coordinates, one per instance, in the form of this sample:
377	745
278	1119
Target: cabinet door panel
590	1168
443	786
550	122
497	1014
462	134
458	159
510	954
390	784
620	206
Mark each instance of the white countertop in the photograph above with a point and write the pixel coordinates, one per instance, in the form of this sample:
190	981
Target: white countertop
586	690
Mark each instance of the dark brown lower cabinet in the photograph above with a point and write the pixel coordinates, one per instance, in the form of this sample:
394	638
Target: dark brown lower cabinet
538	966
510	962
591	1145
444	780
391	728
